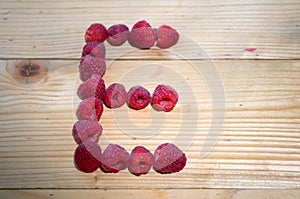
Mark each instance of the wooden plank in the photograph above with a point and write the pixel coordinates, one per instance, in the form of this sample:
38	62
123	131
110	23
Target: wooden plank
223	30
258	146
148	194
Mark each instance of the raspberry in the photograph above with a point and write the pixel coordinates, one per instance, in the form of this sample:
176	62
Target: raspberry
96	32
91	65
168	158
87	157
138	97
140	161
142	35
93	87
164	98
90	109
94	49
115	96
167	36
117	34
114	159
86	130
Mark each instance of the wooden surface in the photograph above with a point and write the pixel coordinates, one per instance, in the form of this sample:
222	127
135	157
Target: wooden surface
235	47
148	194
55	29
257	148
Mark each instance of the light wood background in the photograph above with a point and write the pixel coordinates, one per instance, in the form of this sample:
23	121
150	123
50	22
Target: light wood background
254	47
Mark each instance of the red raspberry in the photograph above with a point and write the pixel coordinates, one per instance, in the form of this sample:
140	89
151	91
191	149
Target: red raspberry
168	158
86	130
117	34
91	65
87	157
142	35
96	32
94	49
141	161
114	159
164	98
90	109
138	97
93	87
115	96
167	36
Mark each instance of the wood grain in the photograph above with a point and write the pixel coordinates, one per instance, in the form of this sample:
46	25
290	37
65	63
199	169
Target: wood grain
222	29
255	102
258	146
147	194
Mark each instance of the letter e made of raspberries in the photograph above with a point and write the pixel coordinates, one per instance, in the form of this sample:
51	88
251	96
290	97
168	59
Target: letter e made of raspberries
88	157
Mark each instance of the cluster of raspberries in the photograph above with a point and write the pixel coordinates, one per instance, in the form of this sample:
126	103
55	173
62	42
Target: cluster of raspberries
142	35
88	156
